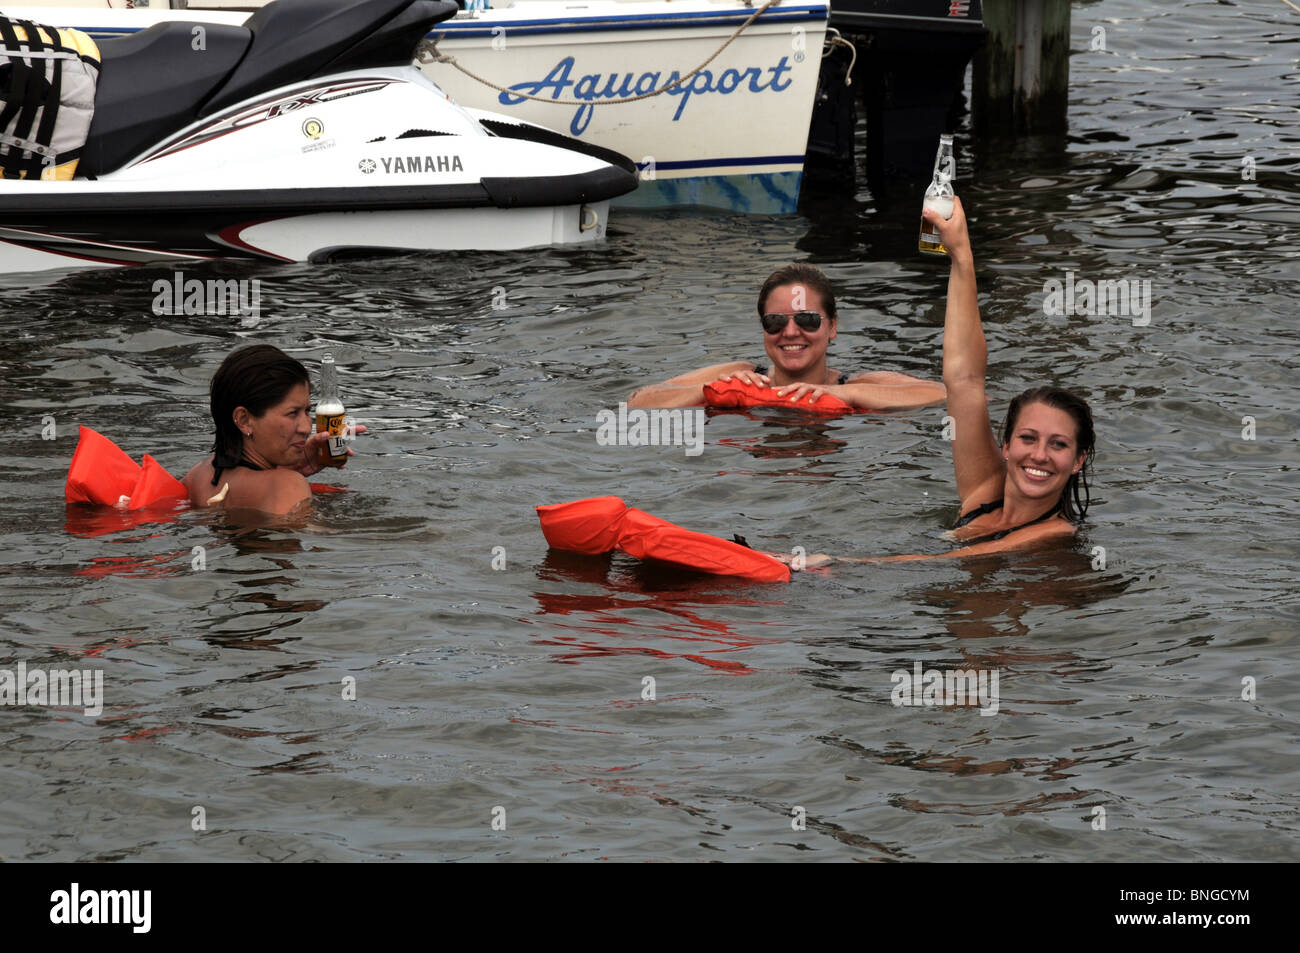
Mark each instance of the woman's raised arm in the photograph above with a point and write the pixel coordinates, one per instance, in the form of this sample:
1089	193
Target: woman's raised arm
975	457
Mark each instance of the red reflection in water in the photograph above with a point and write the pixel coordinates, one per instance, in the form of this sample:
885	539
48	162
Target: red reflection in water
787	433
82	519
553	724
88	521
146	567
98	649
606	624
139	734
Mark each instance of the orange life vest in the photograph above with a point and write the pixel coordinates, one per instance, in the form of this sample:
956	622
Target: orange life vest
604	523
101	472
735	393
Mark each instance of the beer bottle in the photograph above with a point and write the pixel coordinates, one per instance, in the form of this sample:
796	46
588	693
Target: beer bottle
330	415
939	197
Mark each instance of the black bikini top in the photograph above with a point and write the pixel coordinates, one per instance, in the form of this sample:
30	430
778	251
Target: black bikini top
989	508
222	462
762	369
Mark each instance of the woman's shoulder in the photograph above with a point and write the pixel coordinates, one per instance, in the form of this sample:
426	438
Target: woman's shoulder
283	490
984	498
273	491
199	477
277	490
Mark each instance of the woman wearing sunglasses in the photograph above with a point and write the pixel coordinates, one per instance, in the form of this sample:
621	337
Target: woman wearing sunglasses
796	309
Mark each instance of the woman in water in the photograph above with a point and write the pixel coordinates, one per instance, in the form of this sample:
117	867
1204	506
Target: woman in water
264	448
796	307
1035	486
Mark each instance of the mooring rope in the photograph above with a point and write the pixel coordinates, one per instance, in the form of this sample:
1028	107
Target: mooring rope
428	53
837	40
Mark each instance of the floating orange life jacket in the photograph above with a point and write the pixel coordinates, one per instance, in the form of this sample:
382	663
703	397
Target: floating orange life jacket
604	523
735	393
102	473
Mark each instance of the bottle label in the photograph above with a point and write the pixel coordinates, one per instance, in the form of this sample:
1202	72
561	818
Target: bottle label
335	425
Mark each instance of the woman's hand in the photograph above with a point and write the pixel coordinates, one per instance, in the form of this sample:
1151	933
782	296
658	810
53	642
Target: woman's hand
311	451
752	378
797	392
952	231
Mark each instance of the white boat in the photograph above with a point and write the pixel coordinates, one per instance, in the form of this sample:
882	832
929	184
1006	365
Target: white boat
732	135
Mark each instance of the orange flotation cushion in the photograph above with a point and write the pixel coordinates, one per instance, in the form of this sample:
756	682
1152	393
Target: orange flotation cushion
155	485
585	526
102	473
738	394
604	523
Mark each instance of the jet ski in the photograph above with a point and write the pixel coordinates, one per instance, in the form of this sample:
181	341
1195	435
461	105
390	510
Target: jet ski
303	133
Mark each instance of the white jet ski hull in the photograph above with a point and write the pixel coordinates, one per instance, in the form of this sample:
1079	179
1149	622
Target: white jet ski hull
374	159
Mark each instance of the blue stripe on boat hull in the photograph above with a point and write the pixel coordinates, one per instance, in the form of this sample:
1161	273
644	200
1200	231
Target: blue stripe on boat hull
768	193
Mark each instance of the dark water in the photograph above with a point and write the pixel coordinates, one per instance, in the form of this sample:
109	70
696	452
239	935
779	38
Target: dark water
1121	687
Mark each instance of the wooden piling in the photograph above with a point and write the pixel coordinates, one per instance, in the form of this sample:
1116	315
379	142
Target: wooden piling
1022	75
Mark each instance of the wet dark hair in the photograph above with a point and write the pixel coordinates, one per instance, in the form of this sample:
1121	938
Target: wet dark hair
256	377
799	273
1074	498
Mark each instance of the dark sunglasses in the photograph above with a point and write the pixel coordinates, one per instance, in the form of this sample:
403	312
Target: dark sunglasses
807	321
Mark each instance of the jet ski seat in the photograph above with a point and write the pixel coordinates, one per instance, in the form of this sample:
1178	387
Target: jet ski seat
295	40
152	84
284	42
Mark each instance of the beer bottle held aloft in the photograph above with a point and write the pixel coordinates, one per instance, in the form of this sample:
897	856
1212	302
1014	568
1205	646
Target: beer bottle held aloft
939	197
330	415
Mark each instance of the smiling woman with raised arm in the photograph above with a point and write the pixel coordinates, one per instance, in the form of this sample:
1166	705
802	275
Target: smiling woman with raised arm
1035	486
796	310
264	448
